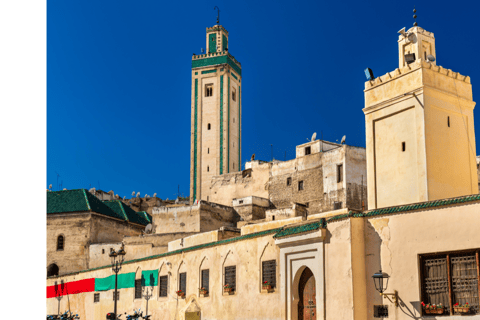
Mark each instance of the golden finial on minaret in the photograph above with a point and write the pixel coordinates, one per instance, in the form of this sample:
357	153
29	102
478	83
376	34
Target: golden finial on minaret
414	16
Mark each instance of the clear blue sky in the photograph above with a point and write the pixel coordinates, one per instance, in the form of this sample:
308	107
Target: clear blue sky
119	82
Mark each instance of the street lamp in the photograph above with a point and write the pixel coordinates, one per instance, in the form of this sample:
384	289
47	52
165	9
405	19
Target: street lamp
117	259
381	286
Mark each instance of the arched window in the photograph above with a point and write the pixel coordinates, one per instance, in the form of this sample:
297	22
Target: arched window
60	242
52	270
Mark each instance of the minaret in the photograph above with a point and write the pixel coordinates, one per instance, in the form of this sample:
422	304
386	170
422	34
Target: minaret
216	114
419	128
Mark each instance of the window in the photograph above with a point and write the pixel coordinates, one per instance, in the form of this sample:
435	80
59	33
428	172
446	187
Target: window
289	181
380	311
182	282
118	295
231	276
209	126
103	251
308	150
205	279
209	90
450	277
234	164
96	297
300	185
403	146
233	120
240	202
163	286
234	94
273	217
208	150
269	272
337	205
448	121
339	173
208	169
52	270
60	242
138	288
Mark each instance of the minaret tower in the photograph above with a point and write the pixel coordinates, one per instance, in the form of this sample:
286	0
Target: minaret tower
216	114
419	128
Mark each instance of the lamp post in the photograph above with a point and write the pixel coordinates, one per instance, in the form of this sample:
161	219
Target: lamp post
147	297
381	286
117	259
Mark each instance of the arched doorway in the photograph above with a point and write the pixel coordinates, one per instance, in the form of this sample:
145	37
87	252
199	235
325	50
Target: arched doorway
307	304
52	270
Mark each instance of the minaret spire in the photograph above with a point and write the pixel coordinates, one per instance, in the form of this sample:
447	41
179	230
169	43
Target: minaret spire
414	16
218	14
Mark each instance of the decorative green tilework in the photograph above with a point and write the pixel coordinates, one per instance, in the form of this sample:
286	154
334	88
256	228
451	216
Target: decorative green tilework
239	124
228	127
212	43
195	145
225	43
301	229
233	75
209	71
205	62
221	124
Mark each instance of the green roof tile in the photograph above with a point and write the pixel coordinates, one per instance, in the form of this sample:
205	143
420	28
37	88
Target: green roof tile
301	229
126	212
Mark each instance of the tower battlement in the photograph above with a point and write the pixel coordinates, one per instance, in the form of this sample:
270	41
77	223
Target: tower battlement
217	28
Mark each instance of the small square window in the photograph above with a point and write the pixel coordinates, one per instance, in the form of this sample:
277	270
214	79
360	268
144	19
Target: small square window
337	205
308	150
209	90
289	181
96	297
300	185
380	312
118	296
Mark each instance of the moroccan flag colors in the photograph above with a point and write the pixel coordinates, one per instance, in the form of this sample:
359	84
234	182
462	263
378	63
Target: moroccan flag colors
124	280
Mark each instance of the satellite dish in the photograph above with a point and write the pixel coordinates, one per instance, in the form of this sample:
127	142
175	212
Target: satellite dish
138	194
148	228
155	195
314	136
133	193
343	139
430	58
50	187
402	32
253	157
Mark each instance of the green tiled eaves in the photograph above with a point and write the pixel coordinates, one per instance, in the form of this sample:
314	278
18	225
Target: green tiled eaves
233	75
67	201
209	71
217	60
304	228
201	246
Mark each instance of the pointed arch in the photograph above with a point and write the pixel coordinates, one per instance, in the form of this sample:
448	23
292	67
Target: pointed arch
52	270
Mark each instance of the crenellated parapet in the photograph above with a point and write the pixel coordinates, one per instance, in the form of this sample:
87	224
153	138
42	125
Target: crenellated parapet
216	58
419	63
217	28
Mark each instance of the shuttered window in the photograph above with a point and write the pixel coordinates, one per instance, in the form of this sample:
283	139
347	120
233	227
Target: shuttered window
163	286
205	279
231	277
451	278
138	288
269	272
183	282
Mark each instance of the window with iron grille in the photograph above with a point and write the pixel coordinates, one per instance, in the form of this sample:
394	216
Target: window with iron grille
231	277
269	272
60	241
182	285
205	279
163	286
138	288
337	205
118	296
451	278
96	297
380	311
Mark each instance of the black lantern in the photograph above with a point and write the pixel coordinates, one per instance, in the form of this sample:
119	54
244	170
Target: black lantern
380	279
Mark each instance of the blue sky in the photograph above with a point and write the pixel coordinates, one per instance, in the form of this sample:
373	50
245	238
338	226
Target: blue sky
118	78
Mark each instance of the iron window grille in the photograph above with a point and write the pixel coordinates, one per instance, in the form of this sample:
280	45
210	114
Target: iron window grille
96	297
163	286
60	242
205	279
380	311
337	205
451	278
182	285
231	277
138	288
269	272
118	296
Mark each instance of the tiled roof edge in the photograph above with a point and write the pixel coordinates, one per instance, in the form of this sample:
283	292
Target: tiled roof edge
161	255
86	199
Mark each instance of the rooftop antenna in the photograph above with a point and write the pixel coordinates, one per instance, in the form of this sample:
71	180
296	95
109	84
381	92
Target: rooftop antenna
218	14
271	151
57	179
414	16
202	51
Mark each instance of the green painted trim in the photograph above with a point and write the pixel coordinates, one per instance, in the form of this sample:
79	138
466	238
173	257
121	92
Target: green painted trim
209	71
228	128
195	145
304	228
212	43
239	125
149	278
124	281
233	75
221	124
212	61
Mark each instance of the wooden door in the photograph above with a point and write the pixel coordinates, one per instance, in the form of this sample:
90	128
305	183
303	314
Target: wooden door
307	306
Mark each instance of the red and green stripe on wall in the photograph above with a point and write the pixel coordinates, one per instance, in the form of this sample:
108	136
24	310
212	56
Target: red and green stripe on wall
125	280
